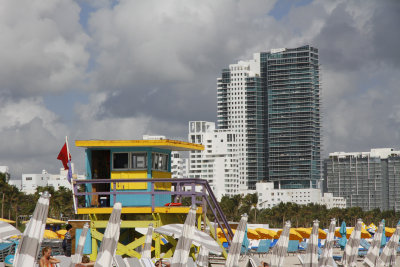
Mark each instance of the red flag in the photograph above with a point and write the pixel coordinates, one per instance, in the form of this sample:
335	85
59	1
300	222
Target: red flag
63	156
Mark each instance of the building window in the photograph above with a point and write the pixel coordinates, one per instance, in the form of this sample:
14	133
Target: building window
160	161
121	160
139	160
28	179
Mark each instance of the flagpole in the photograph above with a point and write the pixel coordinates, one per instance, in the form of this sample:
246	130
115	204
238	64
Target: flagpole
72	179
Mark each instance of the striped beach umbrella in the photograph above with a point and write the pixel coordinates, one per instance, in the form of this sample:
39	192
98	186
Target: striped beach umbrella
29	245
311	256
351	250
181	254
146	253
199	238
371	259
326	257
202	258
7	230
110	239
234	251
280	249
388	256
77	257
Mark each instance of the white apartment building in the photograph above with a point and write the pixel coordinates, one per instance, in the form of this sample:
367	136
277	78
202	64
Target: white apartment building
6	171
218	162
30	182
240	111
269	197
177	165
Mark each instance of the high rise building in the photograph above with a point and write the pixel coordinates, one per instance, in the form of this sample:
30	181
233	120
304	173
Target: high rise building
218	162
369	180
272	103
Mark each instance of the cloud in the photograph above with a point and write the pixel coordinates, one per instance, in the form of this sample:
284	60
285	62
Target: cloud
43	47
148	67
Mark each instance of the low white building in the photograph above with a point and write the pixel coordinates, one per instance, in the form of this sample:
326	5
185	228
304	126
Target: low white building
218	162
30	182
269	197
6	171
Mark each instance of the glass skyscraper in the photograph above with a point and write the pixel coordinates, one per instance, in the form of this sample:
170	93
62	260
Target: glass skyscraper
273	103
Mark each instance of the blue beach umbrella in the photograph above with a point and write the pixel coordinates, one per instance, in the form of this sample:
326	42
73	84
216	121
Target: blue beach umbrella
343	239
383	241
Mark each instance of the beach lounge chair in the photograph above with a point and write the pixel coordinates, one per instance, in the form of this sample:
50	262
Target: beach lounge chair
132	262
119	261
5	250
303	246
253	262
293	246
263	247
364	243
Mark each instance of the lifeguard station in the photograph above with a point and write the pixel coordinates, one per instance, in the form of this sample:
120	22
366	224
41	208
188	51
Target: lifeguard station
137	173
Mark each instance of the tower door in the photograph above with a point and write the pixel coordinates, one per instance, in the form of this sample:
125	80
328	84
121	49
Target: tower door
100	170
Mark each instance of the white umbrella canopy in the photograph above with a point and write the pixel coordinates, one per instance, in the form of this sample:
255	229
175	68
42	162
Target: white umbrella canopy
351	250
181	254
311	257
146	253
234	251
280	249
326	257
372	257
202	258
110	239
199	238
77	257
7	230
29	245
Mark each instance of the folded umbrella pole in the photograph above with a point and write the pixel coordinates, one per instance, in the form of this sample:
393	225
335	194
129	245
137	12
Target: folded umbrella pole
29	245
181	254
311	257
351	250
110	239
371	259
77	257
234	251
326	257
280	249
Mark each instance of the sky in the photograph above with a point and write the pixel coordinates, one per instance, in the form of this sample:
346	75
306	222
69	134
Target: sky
102	69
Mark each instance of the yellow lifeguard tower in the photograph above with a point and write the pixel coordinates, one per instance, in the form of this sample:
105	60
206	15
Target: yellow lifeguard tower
137	173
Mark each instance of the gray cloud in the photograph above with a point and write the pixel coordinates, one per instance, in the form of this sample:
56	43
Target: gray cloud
154	65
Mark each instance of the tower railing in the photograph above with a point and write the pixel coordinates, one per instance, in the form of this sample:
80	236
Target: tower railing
198	190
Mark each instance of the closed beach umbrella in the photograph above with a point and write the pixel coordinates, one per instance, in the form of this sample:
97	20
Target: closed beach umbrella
7	230
181	253
351	250
311	257
371	259
199	238
383	240
77	257
388	256
234	251
29	245
280	249
343	237
326	257
202	258
110	239
146	253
